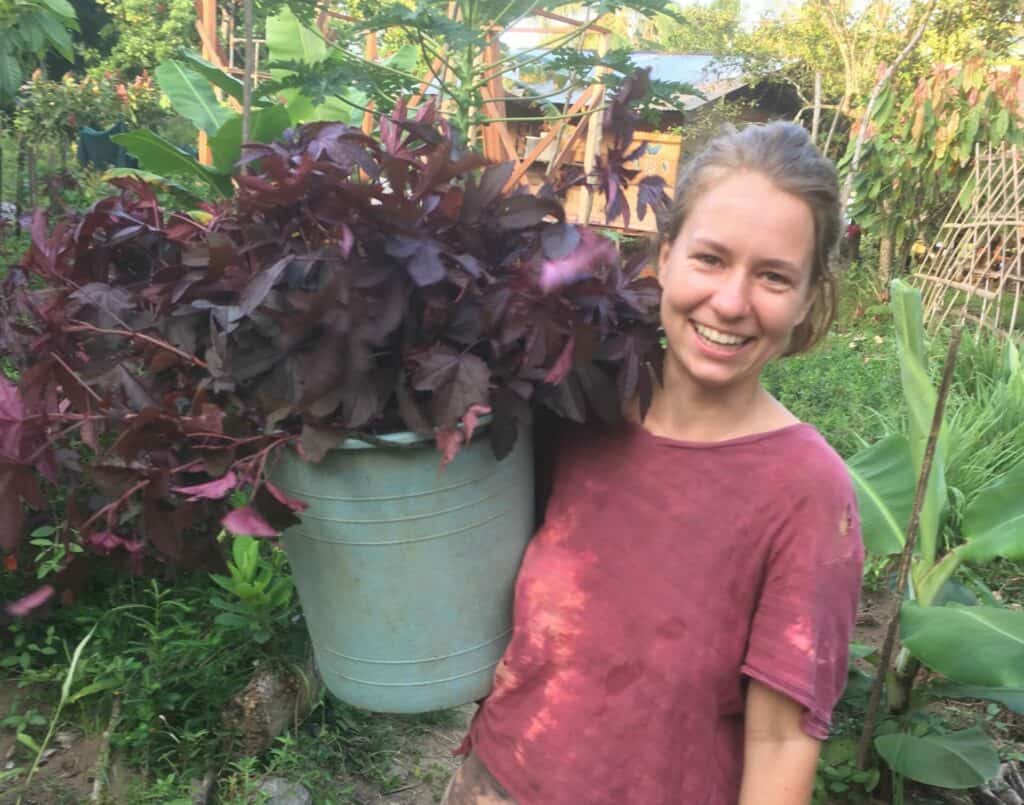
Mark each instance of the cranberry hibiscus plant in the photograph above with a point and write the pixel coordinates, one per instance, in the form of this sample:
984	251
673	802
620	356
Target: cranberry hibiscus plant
351	287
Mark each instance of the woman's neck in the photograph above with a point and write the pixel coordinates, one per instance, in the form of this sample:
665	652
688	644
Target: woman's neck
685	411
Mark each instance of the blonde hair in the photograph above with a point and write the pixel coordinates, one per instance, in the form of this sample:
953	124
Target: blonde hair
784	154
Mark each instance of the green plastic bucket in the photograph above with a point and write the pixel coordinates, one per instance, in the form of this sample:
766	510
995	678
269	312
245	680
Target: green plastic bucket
406	572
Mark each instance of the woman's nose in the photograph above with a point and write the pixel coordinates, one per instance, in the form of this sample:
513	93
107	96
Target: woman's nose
731	299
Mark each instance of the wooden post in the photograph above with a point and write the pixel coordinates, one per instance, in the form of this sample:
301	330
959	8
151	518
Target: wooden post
249	71
594	136
495	145
370	53
207	26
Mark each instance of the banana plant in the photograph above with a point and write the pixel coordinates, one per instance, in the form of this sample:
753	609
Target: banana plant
192	84
979	649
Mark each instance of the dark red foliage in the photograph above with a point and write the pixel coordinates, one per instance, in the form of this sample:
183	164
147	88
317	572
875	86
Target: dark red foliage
353	285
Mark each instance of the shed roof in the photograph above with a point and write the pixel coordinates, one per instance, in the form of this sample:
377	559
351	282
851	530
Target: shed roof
697	69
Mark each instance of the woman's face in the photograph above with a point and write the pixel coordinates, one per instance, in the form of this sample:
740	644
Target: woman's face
735	282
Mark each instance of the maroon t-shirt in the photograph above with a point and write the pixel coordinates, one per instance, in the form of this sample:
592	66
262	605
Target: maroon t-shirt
665	573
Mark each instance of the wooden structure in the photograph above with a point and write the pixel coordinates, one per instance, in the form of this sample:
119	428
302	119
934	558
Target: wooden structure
977	274
580	124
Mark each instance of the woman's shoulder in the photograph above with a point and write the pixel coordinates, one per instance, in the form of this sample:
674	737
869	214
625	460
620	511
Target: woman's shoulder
810	458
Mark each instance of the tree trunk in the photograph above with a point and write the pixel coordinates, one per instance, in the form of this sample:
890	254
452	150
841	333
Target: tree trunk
865	120
18	194
816	119
32	196
885	261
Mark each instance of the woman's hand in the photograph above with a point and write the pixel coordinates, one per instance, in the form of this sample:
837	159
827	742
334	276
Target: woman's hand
779	758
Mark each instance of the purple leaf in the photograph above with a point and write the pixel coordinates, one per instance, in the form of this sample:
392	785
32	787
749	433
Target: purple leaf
650	193
34	600
472	418
449	442
211	490
256	291
457	380
247	522
292	503
559	240
521	212
563	365
593	251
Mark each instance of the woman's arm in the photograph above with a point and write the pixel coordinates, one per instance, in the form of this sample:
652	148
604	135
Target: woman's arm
779	758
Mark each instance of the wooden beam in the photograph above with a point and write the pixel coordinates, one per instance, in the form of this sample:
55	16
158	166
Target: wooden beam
547	139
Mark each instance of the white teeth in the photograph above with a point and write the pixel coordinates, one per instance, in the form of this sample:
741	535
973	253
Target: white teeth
718	337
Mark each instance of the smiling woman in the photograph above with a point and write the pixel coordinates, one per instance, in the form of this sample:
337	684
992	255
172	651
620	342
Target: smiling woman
683	615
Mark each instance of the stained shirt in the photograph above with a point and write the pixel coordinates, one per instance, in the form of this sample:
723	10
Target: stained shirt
667	573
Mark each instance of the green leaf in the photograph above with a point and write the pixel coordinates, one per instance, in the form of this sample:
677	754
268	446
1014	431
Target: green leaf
1000	126
994	521
56	31
883	477
10	71
93	687
920	397
159	156
967	193
191	96
289	40
266	125
27	740
228	83
1013	698
178	191
974	645
963	759
61	8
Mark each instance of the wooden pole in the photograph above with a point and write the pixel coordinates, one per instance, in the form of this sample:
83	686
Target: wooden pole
247	75
370	54
871	714
207	27
593	145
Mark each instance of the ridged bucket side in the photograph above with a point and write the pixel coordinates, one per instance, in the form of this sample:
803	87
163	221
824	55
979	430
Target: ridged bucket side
406	573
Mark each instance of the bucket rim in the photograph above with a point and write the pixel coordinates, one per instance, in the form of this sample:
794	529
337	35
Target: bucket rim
402	438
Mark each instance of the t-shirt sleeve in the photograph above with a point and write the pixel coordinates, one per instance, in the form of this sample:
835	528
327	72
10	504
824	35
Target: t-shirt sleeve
804	619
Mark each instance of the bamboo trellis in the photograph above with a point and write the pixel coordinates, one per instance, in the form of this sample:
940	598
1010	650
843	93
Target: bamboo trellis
977	275
219	46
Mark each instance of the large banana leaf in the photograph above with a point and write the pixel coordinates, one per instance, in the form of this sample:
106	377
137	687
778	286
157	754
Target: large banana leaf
266	125
228	83
191	96
994	522
963	759
1011	697
158	156
883	475
10	70
288	40
920	397
973	645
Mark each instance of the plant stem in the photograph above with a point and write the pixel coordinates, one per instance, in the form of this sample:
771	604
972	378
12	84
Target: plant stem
871	715
84	327
65	692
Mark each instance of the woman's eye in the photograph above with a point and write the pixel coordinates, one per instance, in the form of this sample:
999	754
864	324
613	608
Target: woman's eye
776	279
707	259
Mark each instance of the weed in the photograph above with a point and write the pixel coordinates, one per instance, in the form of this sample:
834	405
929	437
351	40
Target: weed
848	388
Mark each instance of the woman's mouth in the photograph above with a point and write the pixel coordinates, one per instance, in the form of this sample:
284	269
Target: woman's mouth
719	339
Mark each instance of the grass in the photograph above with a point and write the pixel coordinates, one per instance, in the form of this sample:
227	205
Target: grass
848	387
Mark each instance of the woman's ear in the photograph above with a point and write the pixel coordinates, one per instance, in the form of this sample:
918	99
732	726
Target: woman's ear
663	253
